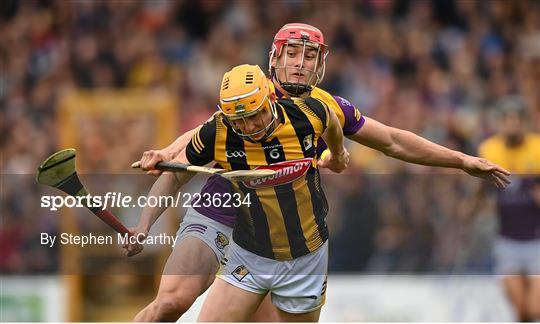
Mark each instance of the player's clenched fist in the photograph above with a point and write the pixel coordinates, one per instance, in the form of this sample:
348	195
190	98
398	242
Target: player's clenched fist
150	158
133	245
335	163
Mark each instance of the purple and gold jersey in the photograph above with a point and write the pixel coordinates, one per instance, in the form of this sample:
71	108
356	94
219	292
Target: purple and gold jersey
519	213
350	119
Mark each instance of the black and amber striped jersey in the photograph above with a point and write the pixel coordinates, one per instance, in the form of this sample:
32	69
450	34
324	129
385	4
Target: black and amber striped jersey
351	121
286	217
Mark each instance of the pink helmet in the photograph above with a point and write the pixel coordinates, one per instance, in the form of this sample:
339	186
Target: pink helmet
306	36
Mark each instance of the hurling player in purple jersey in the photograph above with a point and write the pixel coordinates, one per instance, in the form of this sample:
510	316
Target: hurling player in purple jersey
517	247
296	66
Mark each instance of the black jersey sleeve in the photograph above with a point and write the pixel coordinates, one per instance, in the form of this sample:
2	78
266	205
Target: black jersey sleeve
320	109
200	150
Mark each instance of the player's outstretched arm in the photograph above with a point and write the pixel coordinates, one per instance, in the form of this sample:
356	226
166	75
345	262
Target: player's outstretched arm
407	146
167	184
333	137
150	158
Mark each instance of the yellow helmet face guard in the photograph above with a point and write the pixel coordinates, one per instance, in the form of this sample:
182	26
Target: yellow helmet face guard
245	92
268	129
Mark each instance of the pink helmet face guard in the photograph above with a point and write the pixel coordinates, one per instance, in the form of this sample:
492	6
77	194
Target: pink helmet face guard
307	44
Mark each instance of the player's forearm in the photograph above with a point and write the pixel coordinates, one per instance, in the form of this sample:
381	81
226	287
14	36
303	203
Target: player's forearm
412	148
166	185
333	136
180	143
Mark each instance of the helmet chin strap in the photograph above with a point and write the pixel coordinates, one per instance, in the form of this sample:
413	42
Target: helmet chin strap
295	89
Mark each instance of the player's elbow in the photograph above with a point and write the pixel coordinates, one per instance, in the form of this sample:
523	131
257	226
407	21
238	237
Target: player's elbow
392	146
392	150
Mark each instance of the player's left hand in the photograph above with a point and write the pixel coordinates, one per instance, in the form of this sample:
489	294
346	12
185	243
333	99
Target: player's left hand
487	170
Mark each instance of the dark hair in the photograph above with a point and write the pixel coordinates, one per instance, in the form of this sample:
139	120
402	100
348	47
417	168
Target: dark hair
511	104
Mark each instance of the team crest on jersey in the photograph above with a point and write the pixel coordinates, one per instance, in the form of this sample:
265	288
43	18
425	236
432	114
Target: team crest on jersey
221	240
308	142
240	272
286	172
344	102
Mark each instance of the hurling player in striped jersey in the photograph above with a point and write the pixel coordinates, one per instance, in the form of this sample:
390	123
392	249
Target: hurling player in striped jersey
296	66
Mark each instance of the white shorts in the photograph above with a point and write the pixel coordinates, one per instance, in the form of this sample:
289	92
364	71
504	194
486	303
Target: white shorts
211	232
297	286
513	257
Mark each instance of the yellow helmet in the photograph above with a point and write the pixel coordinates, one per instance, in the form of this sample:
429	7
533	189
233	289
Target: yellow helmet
245	91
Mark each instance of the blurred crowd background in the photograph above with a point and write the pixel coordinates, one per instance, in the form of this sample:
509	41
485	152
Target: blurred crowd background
435	68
